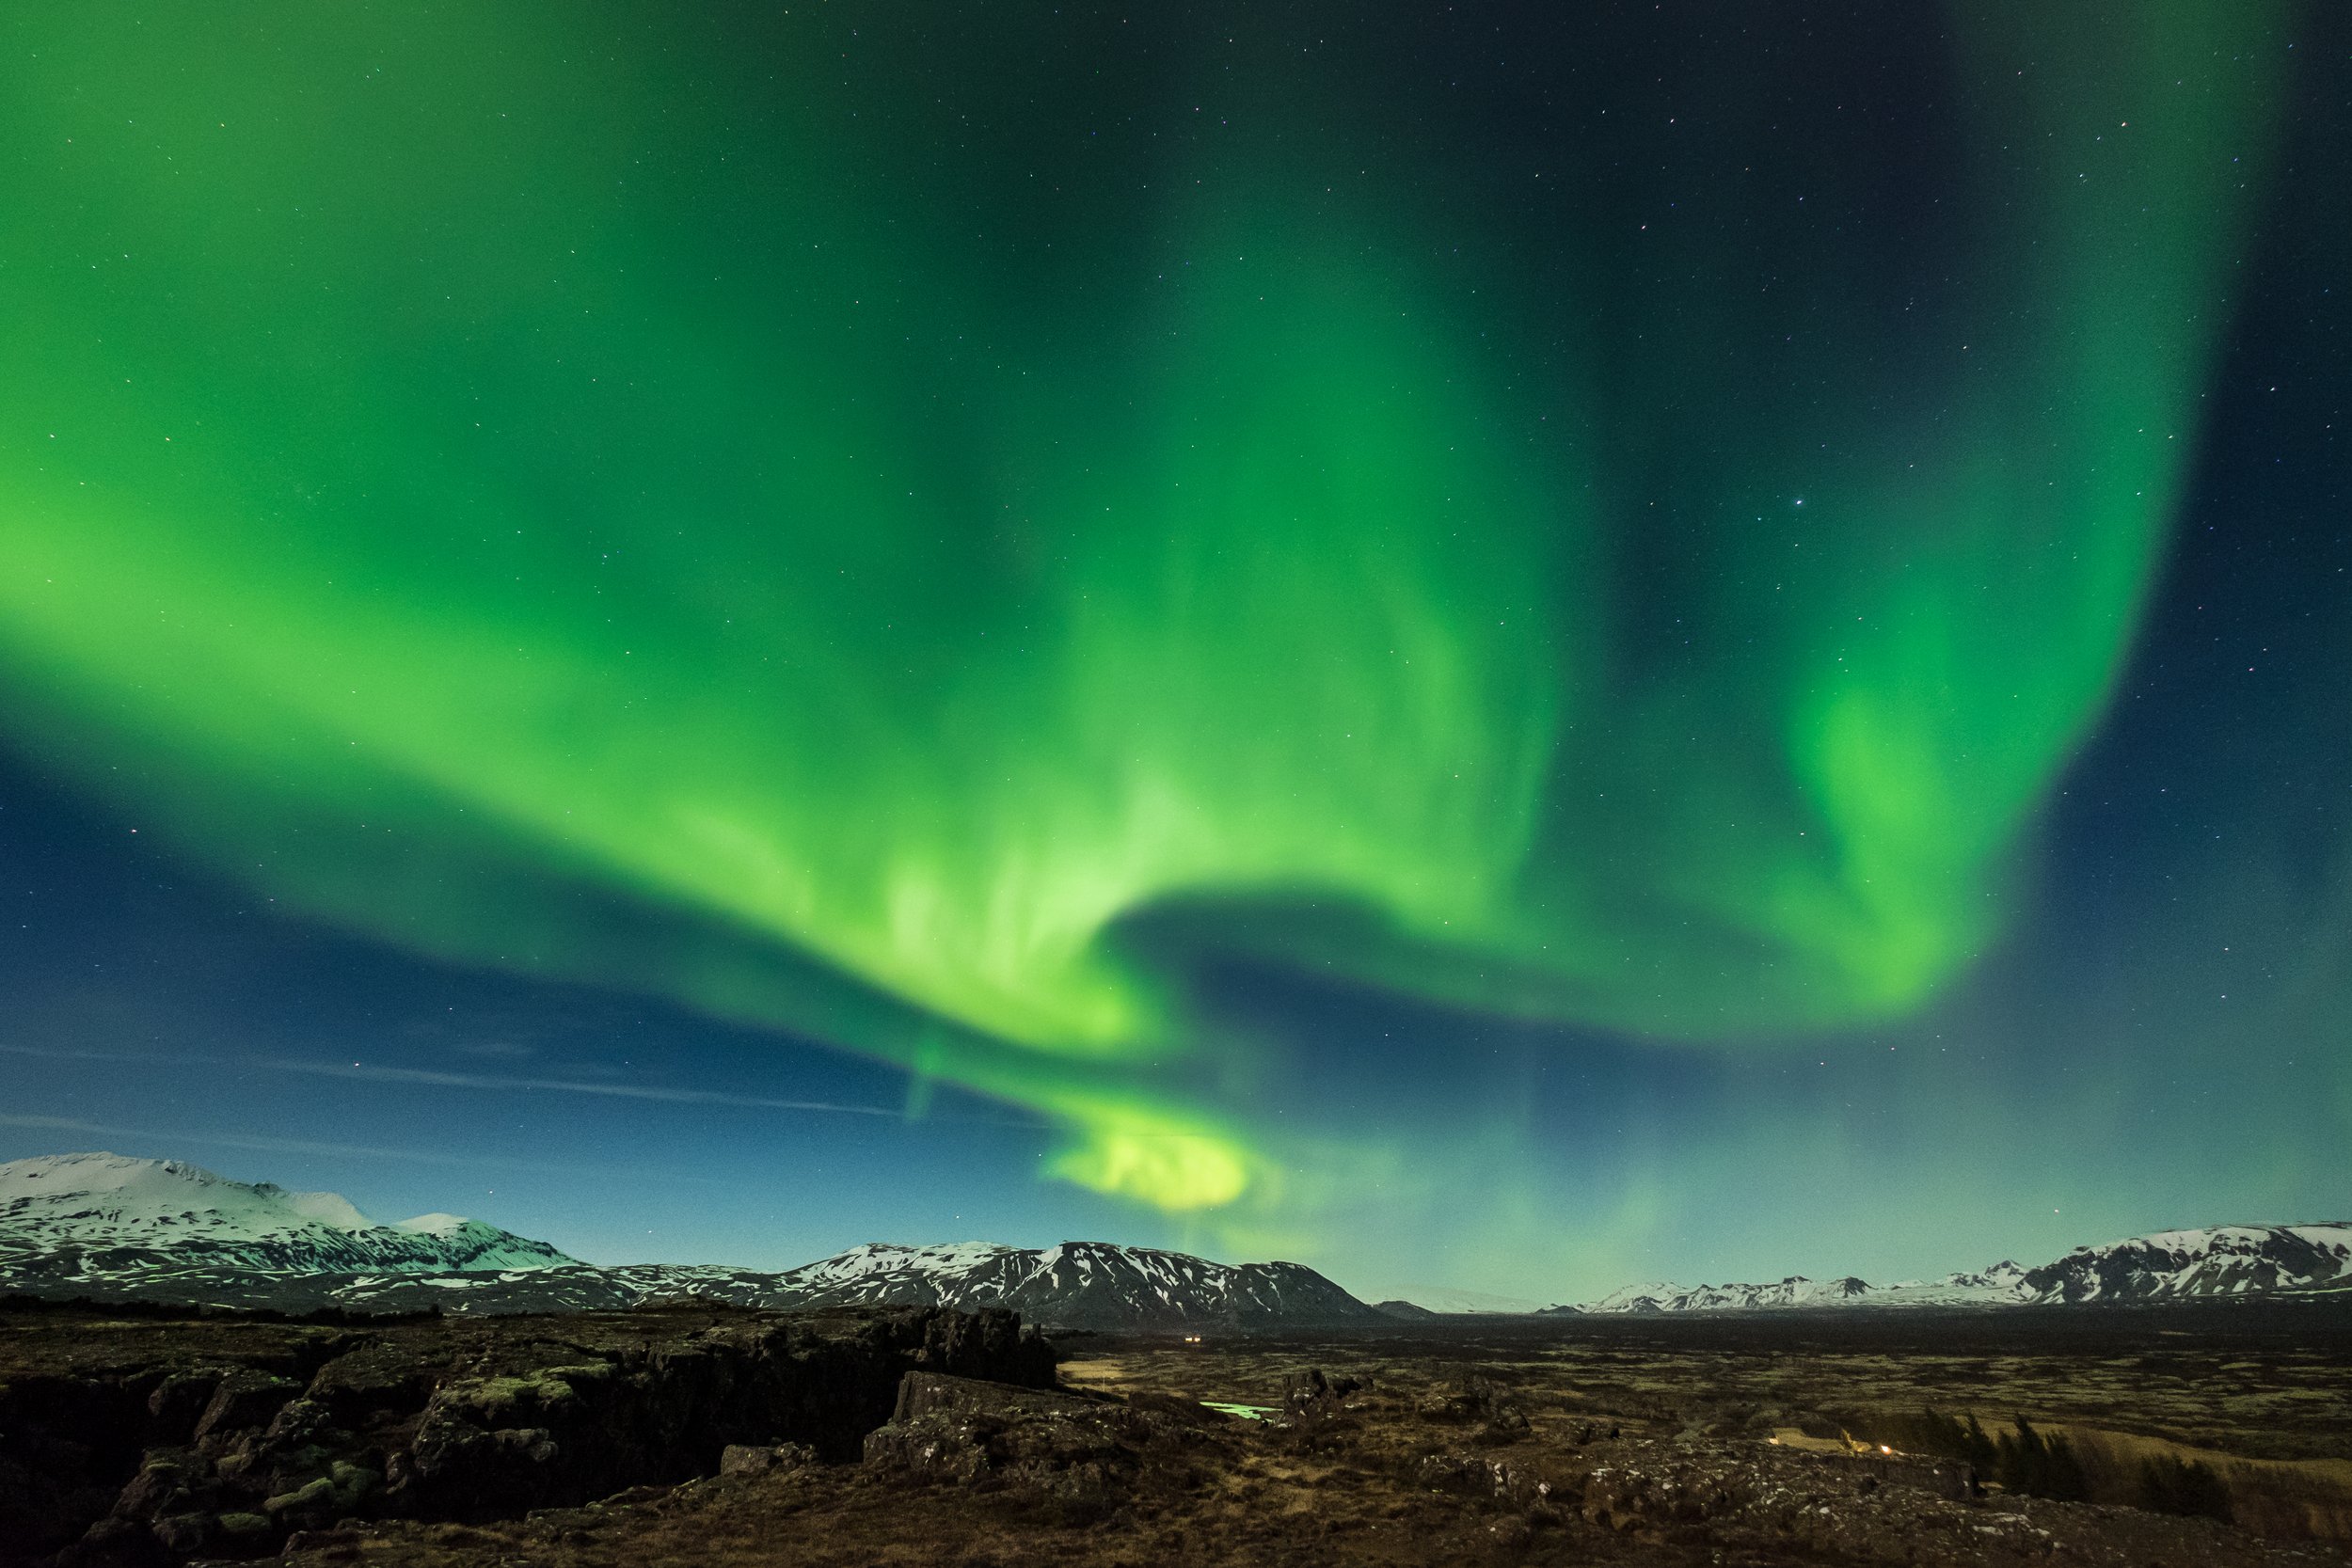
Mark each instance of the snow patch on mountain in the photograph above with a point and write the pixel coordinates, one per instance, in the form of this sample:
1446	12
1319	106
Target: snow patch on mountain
331	1209
100	1223
1795	1290
1074	1285
102	1217
886	1259
2216	1261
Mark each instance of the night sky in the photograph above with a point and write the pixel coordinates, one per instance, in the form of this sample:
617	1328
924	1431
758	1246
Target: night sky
1504	646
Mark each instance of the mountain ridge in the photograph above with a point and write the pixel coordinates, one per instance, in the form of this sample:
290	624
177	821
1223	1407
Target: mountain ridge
2194	1263
107	1226
68	1216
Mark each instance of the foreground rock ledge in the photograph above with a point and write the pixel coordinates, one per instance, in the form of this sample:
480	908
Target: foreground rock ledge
130	1442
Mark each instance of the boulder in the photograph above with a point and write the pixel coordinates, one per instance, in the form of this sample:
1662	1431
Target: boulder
1314	1389
184	1534
169	1481
923	1394
178	1402
244	1400
754	1459
962	1429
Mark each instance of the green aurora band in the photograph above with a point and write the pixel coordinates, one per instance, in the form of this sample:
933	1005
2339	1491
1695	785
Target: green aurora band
920	536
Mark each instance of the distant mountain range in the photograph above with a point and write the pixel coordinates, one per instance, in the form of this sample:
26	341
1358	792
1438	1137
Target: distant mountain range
102	1226
2167	1265
76	1216
1075	1285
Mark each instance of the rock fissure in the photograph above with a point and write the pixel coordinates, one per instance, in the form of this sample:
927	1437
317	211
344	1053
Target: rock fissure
150	1444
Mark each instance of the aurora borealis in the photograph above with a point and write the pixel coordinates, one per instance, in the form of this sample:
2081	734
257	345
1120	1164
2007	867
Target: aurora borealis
1229	588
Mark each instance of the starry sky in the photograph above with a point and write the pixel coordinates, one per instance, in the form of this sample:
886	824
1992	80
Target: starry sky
1502	647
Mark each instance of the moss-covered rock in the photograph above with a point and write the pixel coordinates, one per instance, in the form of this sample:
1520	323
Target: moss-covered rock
277	1428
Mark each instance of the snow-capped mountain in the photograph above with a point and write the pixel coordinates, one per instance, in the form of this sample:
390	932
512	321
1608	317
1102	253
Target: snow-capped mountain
2003	1278
98	1224
1080	1285
1090	1285
2220	1260
72	1218
1445	1300
1795	1290
1076	1285
105	1226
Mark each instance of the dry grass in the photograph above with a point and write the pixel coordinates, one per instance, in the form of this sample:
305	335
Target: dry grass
2267	1413
2289	1500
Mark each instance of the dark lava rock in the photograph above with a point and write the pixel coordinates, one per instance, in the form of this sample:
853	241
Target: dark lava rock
1315	1391
747	1459
956	1429
178	1402
993	1345
142	1442
1076	1455
922	1394
184	1534
1764	1497
1477	1399
114	1543
1477	1475
169	1481
245	1399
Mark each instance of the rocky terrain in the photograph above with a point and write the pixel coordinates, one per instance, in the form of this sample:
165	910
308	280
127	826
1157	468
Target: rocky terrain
2195	1438
148	1440
1691	1442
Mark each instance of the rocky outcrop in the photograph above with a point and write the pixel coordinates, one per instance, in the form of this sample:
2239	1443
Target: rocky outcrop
124	1445
1475	1398
1315	1392
1073	1455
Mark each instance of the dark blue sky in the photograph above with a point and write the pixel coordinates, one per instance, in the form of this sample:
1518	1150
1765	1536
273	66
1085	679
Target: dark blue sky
2159	1034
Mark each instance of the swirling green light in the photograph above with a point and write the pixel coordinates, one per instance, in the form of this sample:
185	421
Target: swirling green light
695	523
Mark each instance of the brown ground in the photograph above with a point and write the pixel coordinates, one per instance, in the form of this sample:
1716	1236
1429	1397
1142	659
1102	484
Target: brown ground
1647	1444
